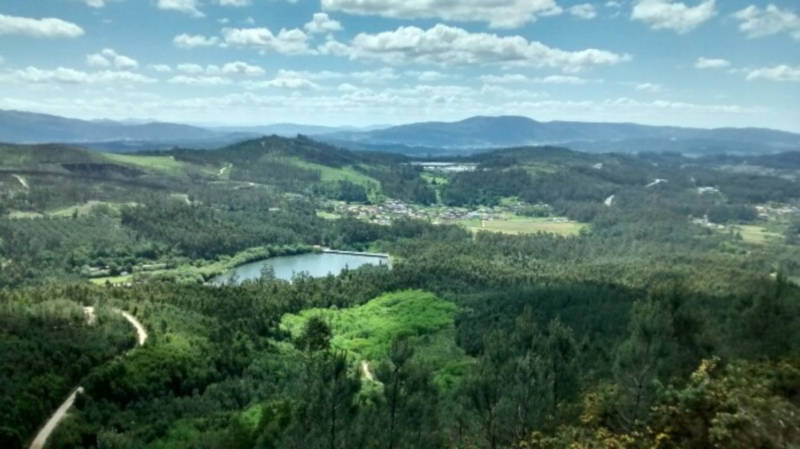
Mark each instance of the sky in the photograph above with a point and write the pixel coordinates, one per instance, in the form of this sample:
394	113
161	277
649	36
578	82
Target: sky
699	63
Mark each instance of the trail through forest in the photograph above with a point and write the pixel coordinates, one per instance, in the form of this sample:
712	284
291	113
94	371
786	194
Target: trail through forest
61	412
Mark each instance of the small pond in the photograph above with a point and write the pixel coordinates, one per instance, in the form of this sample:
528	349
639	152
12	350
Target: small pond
313	264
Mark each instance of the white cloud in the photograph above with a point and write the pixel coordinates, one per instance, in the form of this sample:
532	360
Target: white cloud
376	76
190	68
498	13
285	80
757	22
321	23
613	4
242	68
199	80
161	68
649	87
782	73
108	57
711	63
235	3
193	41
322	75
429	76
47	27
518	78
96	3
445	45
64	75
584	11
293	41
671	15
230	68
189	7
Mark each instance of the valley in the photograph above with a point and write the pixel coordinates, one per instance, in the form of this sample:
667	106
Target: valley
505	281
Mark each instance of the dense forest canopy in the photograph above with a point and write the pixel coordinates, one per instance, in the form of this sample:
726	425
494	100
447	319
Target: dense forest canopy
537	298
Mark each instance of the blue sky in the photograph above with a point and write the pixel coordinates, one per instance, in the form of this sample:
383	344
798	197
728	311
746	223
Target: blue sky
359	62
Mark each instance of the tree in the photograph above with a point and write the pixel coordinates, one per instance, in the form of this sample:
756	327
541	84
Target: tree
316	335
640	358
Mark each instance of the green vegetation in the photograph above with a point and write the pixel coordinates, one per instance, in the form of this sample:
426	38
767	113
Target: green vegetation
166	164
525	225
668	317
367	332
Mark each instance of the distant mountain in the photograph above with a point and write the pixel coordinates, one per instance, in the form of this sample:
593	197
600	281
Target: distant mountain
428	139
480	133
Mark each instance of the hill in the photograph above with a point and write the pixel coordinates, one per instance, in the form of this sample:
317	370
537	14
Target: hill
28	127
479	133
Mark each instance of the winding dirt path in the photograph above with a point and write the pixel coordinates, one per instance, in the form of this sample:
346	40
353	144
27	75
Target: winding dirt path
141	332
22	181
61	412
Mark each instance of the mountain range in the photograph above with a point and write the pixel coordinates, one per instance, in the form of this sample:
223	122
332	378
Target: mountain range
427	138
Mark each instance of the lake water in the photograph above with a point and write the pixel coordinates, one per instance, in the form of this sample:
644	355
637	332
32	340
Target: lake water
314	264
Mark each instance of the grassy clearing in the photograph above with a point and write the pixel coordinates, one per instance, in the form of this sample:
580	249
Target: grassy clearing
337	174
113	280
366	332
758	235
166	164
328	215
524	225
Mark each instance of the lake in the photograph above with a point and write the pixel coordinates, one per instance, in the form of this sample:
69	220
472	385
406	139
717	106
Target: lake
314	264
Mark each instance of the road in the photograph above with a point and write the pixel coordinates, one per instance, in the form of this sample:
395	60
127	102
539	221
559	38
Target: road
61	413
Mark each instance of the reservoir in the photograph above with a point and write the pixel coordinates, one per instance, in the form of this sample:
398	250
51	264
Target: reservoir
313	264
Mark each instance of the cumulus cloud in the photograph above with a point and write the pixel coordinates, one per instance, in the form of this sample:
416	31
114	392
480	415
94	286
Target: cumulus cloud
205	81
518	78
96	3
189	7
188	41
230	68
376	76
64	75
321	23
445	45
108	57
285	79
161	68
584	11
498	13
649	87
429	76
242	68
782	73
711	63
671	15
293	41
45	28
757	22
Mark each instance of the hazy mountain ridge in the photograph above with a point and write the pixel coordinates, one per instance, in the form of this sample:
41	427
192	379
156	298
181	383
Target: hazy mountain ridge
479	133
426	138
